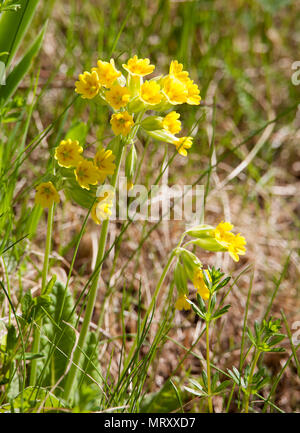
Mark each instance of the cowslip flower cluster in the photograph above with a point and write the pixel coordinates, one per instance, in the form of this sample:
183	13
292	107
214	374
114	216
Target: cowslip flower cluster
189	267
131	96
87	172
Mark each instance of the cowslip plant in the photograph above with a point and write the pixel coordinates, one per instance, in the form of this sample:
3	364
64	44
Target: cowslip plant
130	97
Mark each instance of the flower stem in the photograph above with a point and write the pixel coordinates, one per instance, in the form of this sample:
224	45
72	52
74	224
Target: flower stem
248	392
210	405
72	375
37	332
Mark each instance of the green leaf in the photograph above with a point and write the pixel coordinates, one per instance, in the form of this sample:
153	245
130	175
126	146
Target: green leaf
61	305
31	399
13	26
163	401
78	131
18	73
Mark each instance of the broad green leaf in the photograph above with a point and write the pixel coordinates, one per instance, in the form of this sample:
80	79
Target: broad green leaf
78	131
20	70
13	26
53	329
163	401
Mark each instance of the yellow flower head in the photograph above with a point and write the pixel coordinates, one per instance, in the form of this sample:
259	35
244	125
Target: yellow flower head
200	285
103	160
121	123
182	304
171	122
182	144
193	97
46	194
235	244
86	174
68	153
193	93
139	67
107	73
176	71
117	96
174	90
150	93
102	208
88	85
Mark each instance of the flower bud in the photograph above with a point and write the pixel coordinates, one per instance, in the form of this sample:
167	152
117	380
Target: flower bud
162	135
200	231
130	163
190	262
180	279
152	123
209	244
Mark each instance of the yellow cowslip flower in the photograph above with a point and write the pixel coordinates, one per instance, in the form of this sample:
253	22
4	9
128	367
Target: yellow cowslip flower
103	160
68	153
102	208
117	96
175	90
107	73
86	174
171	123
139	67
176	71
150	93
182	304
235	244
200	285
46	194
88	85
193	93
193	97
182	144
121	123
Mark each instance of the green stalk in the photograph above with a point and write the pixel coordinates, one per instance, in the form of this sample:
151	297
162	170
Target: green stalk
72	375
248	392
37	332
210	405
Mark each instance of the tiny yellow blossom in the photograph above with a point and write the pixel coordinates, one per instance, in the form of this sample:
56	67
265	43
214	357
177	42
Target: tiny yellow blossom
150	93
235	244
46	194
182	304
182	144
176	71
68	153
121	123
88	85
107	73
103	160
200	285
117	96
193	97
139	67
102	208
86	174
174	90
171	122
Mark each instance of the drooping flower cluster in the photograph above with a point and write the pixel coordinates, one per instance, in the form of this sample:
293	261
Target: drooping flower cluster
131	97
189	267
